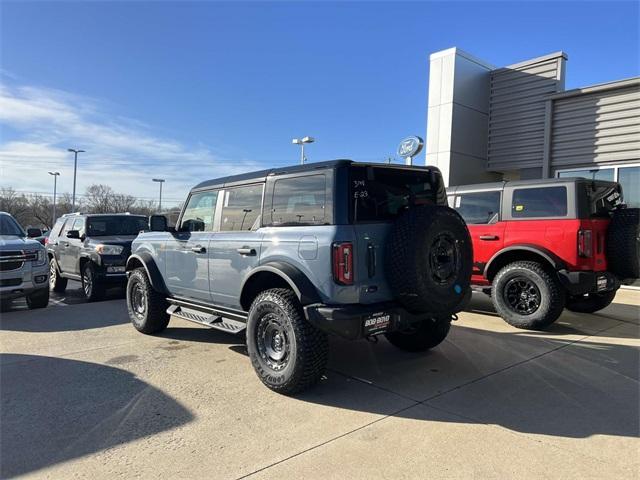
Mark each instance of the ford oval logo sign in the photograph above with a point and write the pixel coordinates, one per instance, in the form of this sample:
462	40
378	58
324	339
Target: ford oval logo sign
410	146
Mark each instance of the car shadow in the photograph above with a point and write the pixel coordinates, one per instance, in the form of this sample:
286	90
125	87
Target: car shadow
559	388
84	316
569	322
55	409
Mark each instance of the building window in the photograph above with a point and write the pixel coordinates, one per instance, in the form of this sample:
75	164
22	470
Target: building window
593	174
479	207
539	202
627	175
299	201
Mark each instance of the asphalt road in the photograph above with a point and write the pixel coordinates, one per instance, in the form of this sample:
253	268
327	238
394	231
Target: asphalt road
84	395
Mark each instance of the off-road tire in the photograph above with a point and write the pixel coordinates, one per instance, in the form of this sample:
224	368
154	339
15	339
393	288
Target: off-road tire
412	248
153	318
551	295
424	336
308	347
92	287
38	299
623	243
592	302
56	282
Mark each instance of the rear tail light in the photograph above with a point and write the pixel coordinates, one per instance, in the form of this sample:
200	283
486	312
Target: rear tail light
584	243
343	263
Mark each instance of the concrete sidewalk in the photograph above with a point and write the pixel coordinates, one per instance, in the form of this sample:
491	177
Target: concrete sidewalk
84	395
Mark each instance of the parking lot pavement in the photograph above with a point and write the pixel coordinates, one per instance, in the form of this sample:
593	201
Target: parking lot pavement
84	395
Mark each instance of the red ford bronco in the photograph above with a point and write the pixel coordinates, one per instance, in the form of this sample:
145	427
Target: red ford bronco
543	245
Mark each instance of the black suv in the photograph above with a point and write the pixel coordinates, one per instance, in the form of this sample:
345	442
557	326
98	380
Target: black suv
93	249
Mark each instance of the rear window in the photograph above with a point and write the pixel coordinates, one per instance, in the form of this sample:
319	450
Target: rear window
299	201
107	225
478	207
539	202
379	194
602	198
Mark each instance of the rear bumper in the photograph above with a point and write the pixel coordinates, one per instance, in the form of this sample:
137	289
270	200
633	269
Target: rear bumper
579	283
348	321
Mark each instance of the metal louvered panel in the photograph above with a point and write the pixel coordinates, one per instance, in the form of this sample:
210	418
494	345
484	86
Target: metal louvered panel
596	126
517	111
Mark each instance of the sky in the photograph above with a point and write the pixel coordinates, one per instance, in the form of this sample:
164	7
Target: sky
189	91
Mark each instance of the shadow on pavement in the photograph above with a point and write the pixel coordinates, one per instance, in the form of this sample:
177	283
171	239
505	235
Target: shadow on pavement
584	389
55	410
84	316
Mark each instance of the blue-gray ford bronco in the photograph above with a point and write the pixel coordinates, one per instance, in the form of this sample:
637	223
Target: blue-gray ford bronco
291	255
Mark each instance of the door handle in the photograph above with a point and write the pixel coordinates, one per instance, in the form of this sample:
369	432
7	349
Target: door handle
488	237
198	249
247	251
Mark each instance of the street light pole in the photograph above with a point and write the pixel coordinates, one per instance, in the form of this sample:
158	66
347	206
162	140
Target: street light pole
75	169
55	185
160	181
301	142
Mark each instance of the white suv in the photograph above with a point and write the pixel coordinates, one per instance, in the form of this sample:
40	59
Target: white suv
24	270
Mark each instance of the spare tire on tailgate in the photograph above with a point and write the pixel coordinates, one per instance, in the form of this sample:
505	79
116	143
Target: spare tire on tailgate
428	260
623	243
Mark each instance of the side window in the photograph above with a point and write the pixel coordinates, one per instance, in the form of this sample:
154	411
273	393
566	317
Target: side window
198	216
539	202
57	228
78	224
299	201
67	226
478	207
241	208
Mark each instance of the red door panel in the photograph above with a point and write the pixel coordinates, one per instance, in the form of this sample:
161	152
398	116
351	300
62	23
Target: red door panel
487	240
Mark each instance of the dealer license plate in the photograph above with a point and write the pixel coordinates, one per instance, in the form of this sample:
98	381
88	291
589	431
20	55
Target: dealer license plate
376	323
601	283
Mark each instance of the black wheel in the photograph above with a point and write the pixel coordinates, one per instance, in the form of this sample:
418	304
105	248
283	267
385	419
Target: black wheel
147	308
428	260
591	302
56	282
526	296
91	286
287	352
422	336
623	243
38	299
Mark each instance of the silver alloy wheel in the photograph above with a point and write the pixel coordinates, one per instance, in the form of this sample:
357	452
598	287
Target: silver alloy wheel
53	273
87	281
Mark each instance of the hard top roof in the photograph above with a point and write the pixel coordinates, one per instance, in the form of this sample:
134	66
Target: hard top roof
122	214
524	183
261	175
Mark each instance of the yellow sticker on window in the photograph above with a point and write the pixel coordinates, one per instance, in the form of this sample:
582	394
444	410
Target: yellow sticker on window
519	208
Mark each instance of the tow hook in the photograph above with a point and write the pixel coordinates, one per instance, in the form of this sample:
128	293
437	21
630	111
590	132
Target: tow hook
372	338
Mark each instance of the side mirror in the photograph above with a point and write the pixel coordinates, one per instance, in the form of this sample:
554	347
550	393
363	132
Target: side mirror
73	234
34	232
158	223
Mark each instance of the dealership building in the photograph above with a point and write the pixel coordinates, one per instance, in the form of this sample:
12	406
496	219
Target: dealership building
488	123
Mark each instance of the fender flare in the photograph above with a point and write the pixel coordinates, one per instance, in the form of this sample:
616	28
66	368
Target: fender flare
556	262
149	264
298	281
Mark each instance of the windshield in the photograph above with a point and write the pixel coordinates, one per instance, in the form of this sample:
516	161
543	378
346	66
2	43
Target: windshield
8	226
382	193
116	225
